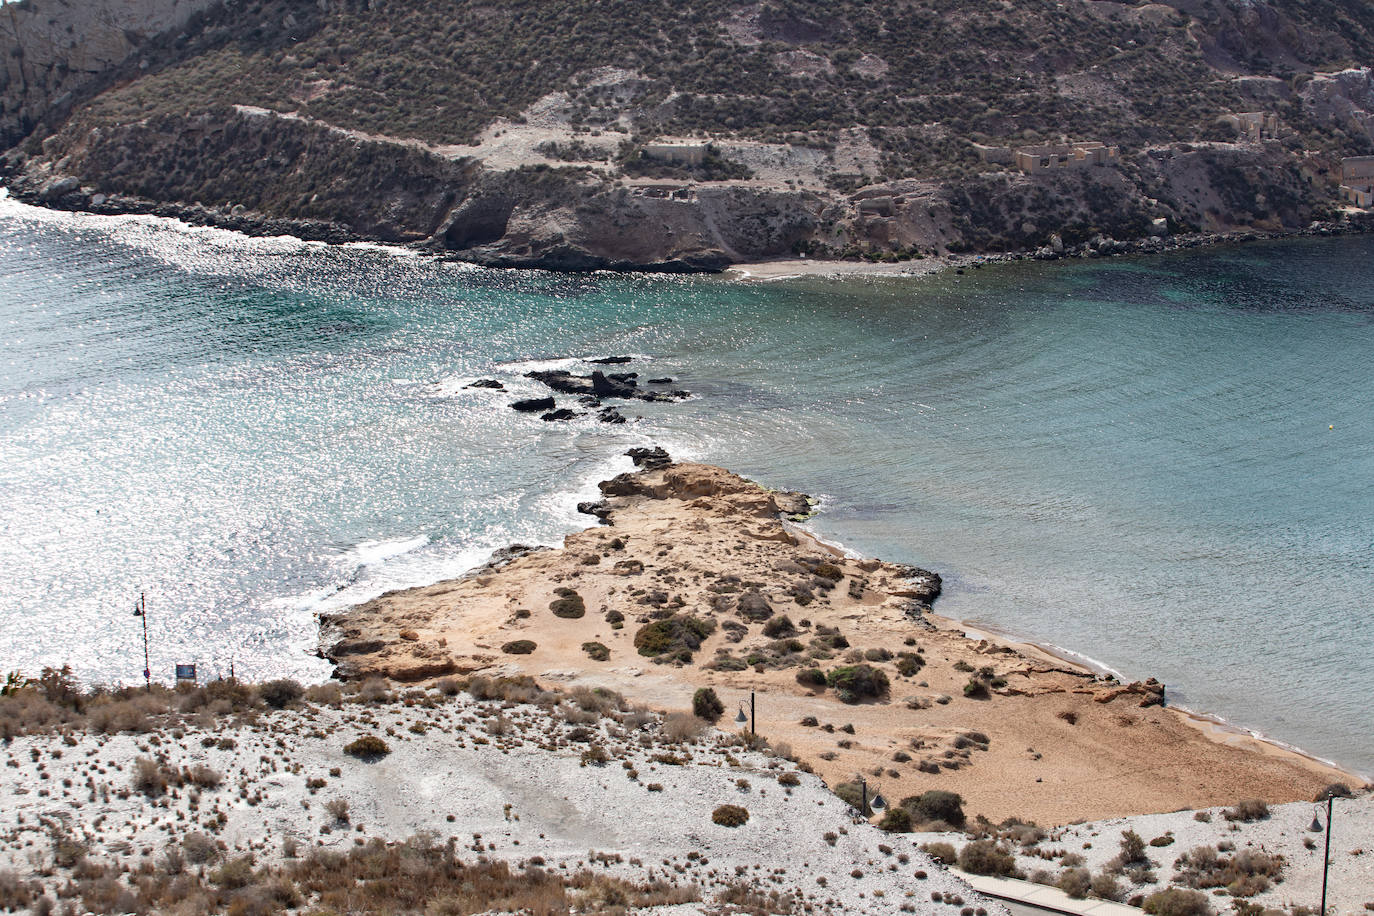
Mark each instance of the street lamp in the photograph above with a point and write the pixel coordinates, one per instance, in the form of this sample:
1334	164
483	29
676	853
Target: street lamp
879	803
141	610
742	719
1316	827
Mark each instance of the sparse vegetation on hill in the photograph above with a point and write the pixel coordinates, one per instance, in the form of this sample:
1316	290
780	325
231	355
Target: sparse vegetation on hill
799	104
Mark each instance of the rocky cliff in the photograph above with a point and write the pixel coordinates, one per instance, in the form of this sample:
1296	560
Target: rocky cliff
54	50
520	137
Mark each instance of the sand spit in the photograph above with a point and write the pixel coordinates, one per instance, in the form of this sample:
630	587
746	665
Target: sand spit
552	784
699	562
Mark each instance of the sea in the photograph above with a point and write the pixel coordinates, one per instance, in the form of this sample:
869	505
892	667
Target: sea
1163	464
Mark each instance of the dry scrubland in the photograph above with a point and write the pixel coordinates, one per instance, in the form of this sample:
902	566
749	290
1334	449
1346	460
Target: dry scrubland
489	795
1247	858
441	777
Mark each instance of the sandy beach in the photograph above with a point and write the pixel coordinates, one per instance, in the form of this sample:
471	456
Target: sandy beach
1015	731
791	268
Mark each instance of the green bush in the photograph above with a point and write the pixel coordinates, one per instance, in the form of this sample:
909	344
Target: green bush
568	604
896	820
829	571
706	705
281	693
811	677
909	664
677	637
853	683
730	816
936	805
368	747
596	651
851	793
779	626
519	647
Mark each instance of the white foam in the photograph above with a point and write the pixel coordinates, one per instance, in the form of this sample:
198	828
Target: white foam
369	553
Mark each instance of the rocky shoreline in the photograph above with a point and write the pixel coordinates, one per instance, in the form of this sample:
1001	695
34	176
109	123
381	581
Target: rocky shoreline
695	577
66	194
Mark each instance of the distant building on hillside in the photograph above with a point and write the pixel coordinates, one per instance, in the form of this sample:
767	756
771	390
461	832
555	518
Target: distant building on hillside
1357	180
884	205
1034	160
678	152
1001	155
1253	125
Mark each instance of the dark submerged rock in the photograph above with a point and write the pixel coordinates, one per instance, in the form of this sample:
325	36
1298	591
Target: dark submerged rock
533	405
603	386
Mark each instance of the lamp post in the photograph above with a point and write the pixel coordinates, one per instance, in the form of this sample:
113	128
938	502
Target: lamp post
1316	827
750	719
879	803
141	611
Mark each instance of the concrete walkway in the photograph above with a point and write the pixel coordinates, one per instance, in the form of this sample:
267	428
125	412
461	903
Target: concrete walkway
1039	898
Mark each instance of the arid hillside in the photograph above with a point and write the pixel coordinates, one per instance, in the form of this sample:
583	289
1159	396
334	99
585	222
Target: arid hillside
519	132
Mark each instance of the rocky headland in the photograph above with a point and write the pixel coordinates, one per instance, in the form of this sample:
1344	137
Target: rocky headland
696	578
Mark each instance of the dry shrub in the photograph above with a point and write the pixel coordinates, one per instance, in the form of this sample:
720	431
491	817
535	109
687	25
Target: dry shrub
199	849
204	777
1247	810
234	874
1243	874
421	876
16	893
638	716
941	852
337	809
750	899
1174	901
599	700
986	857
1106	887
730	816
681	728
150	777
1076	882
281	693
368	747
324	694
520	689
374	690
602	893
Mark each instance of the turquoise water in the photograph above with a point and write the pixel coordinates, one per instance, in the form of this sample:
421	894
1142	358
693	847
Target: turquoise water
1131	458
